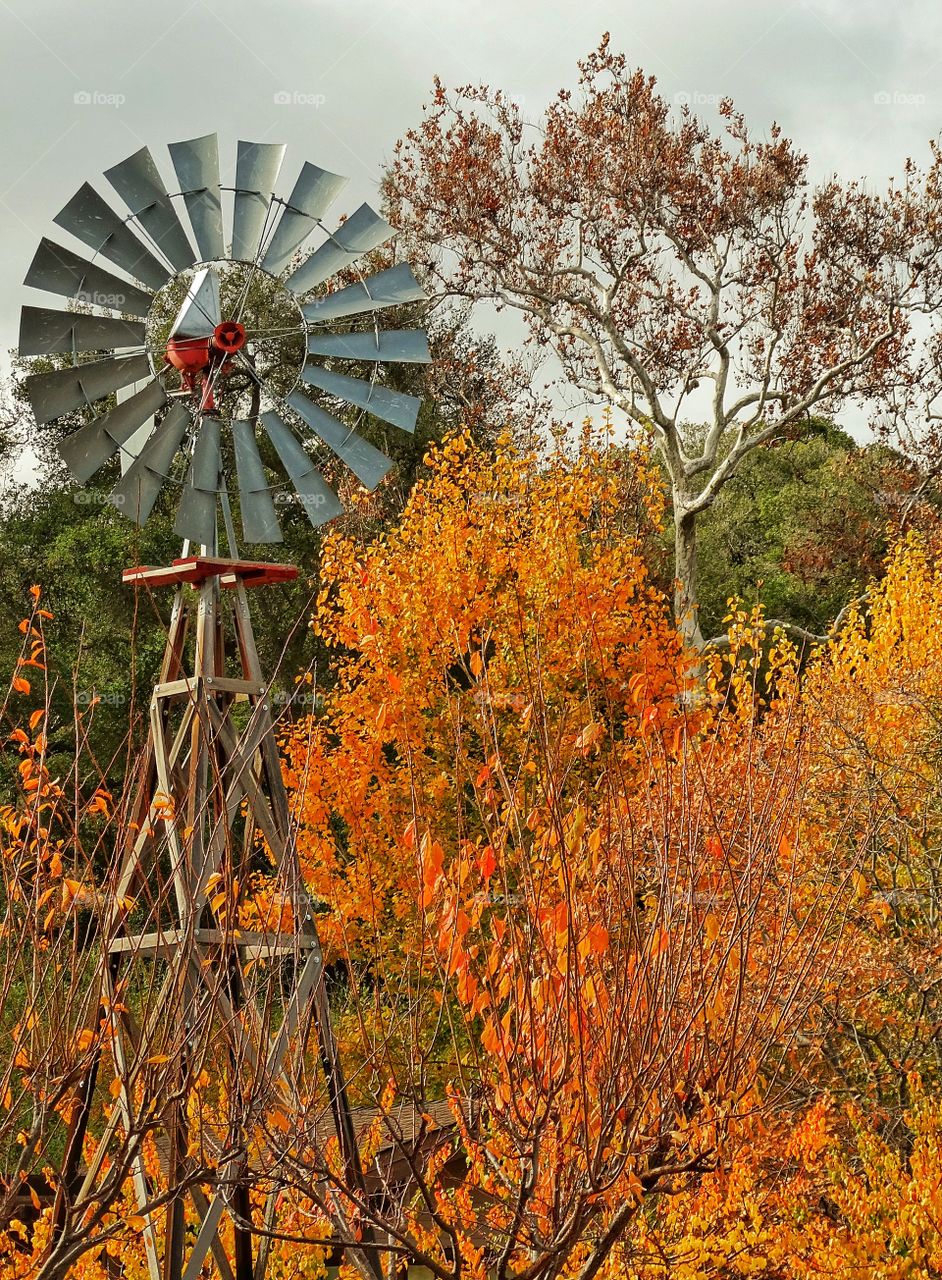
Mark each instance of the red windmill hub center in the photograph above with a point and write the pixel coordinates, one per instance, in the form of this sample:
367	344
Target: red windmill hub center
229	336
198	356
189	355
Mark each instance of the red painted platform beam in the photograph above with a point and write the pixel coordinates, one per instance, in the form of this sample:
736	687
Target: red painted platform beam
196	569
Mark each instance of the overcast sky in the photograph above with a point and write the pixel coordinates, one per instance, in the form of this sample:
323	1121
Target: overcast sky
84	84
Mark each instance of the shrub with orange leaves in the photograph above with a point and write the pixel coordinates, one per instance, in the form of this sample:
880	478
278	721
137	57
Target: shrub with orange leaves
61	843
51	838
551	895
850	1185
510	608
868	1205
835	1192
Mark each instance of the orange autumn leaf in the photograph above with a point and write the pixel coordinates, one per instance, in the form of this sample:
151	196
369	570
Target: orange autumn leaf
714	846
490	1037
598	939
487	863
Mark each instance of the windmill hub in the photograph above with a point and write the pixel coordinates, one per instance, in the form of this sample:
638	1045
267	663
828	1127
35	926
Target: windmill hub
193	356
233	332
229	337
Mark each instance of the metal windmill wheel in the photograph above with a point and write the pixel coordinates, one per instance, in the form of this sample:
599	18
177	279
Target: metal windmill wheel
242	370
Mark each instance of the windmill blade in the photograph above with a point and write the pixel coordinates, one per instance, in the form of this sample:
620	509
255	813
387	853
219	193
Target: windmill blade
136	492
59	270
363	231
259	518
196	515
196	163
53	394
388	288
138	182
99	440
44	331
394	346
319	500
367	463
89	218
257	170
207	456
134	443
392	406
313	194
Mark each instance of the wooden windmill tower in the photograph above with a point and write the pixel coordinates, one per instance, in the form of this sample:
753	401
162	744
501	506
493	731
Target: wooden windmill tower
223	376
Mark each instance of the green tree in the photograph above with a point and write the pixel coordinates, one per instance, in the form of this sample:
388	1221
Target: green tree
802	528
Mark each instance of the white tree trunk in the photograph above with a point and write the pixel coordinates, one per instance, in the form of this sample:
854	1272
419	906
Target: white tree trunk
686	604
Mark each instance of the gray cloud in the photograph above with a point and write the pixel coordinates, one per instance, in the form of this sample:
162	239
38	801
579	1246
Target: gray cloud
855	82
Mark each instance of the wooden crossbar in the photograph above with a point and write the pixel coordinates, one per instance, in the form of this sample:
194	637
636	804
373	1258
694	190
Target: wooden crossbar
251	942
196	570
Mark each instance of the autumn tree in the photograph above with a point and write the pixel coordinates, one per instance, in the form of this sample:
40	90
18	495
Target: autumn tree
678	274
873	699
847	1178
